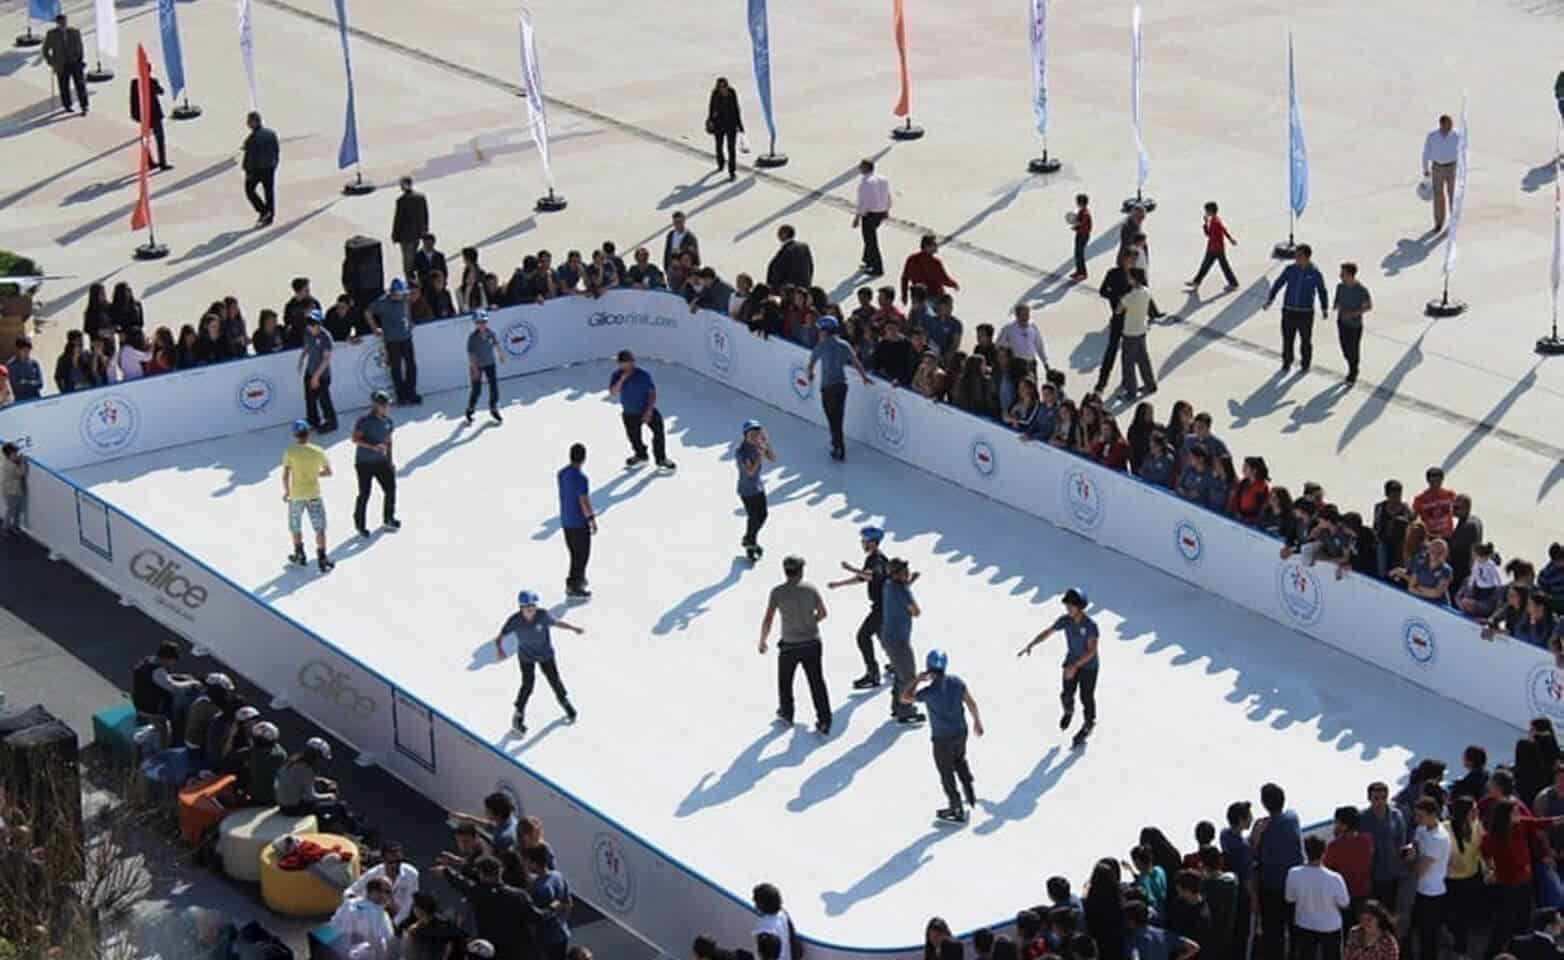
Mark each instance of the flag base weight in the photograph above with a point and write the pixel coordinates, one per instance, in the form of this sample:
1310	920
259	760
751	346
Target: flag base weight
185	111
29	39
1550	346
550	202
151	250
100	74
1146	203
1286	250
357	187
1044	164
907	132
768	160
1445	307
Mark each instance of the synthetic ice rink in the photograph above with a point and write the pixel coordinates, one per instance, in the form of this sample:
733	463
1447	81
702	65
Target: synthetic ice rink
1200	701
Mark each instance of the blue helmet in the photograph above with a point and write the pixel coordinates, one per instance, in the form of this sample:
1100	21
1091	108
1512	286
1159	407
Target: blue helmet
936	660
828	325
872	534
398	286
751	424
301	427
315	316
526	598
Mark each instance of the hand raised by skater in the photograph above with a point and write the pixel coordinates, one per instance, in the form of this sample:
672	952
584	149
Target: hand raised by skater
977	726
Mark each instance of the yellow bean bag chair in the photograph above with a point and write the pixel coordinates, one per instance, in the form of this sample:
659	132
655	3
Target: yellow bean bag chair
247	831
305	892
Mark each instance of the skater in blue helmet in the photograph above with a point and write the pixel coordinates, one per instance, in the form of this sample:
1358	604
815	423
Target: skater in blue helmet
753	452
528	628
946	698
834	355
1080	661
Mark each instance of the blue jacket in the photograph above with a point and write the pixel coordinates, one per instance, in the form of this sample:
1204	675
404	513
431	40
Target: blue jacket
1302	285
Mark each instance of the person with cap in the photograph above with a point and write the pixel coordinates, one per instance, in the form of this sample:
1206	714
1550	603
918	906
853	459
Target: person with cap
1080	661
638	405
228	737
834	354
754	451
214	697
301	791
483	351
315	365
389	318
26	375
303	465
372	462
802	609
365	921
258	779
873	574
577	520
948	701
529	629
896	637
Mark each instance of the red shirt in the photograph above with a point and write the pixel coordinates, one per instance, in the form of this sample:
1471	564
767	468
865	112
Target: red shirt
1249	498
1216	234
1511	853
1352	856
1083	222
1436	508
926	268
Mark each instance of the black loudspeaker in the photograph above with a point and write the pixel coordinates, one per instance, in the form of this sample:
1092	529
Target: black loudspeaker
39	768
363	271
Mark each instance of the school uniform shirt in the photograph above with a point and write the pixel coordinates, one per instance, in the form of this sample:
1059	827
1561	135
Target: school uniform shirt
748	455
635	391
533	643
26	378
1319	895
944	701
306	461
1433	843
1078	637
1511	853
896	627
392	317
317	347
572	487
373	430
480	348
780	926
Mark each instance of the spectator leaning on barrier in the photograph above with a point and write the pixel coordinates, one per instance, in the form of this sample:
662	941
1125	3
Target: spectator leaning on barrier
1435	506
26	375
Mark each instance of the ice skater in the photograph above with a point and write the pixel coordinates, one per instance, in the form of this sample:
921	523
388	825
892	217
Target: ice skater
303	466
947	699
834	354
873	573
754	451
896	637
638	403
483	350
578	521
529	628
1080	661
372	461
802	610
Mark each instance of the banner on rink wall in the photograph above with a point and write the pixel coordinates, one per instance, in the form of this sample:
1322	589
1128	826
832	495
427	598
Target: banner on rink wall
645	888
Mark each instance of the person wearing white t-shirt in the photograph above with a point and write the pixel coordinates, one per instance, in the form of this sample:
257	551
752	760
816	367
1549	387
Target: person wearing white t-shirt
1429	856
1318	895
773	919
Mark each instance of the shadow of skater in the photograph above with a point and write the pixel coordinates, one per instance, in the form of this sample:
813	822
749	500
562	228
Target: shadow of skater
604	497
510	744
749	768
899	867
1024	796
837	775
679	616
294	577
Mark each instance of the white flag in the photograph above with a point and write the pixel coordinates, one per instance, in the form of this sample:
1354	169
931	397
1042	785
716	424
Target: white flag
247	50
1039	34
532	83
1458	203
1143	162
107	29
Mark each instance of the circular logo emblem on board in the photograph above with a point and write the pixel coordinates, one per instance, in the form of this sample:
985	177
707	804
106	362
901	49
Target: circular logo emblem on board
719	346
798	379
615	877
110	424
1545	691
255	394
1082	498
519	338
1188	542
1298	589
984	460
374	370
1420	643
889	421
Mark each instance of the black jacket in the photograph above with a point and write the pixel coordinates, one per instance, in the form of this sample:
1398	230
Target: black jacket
722	113
504	915
792	265
1533	946
1115	284
412	218
261	150
690	245
135	100
426	262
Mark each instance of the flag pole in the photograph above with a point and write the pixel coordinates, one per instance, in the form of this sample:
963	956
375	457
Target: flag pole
1297	164
358	186
1551	345
151	250
1142	163
186	110
99	73
1444	306
1039	42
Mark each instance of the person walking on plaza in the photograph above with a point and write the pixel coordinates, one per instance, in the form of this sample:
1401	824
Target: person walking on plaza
262	153
834	354
577	519
303	466
1135	310
1217	238
637	395
946	698
1115	284
483	351
1352	302
1441	150
1302	282
388	317
925	268
1080	221
155	99
725	123
754	452
896	637
409	224
1080	661
65	55
528	628
873	574
373	462
315	365
802	609
874	205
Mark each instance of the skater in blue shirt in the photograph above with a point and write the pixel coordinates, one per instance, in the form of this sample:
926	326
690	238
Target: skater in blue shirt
528	628
946	698
1080	661
754	452
637	396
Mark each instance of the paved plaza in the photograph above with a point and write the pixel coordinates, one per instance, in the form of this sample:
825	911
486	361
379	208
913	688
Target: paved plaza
437	99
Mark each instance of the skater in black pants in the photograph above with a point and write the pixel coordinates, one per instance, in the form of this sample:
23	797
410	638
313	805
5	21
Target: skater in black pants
1080	661
753	452
873	574
638	401
315	366
802	609
483	350
946	698
372	461
834	354
578	520
1115	284
528	628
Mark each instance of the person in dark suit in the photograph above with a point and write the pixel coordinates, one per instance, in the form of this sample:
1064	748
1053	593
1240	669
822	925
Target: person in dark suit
63	52
426	262
157	116
792	264
1542	942
679	240
409	224
724	123
261	155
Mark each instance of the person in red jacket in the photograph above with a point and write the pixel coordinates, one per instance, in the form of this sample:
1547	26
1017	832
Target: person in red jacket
925	267
1217	239
1435	506
1506	848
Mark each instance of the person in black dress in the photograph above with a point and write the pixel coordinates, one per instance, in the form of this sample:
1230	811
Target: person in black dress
724	123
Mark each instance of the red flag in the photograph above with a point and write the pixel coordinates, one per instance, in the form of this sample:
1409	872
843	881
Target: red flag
902	105
142	217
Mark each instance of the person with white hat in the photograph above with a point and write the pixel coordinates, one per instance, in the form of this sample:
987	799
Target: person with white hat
216	691
228	737
258	779
1080	660
302	791
373	463
303	466
948	701
529	629
753	452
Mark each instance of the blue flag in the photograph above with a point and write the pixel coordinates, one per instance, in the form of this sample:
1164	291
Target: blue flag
760	36
1297	152
45	10
347	154
173	60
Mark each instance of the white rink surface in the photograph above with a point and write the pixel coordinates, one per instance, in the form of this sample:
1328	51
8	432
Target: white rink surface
1200	702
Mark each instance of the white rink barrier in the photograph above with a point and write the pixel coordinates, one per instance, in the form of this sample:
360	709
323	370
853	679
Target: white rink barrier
647	889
